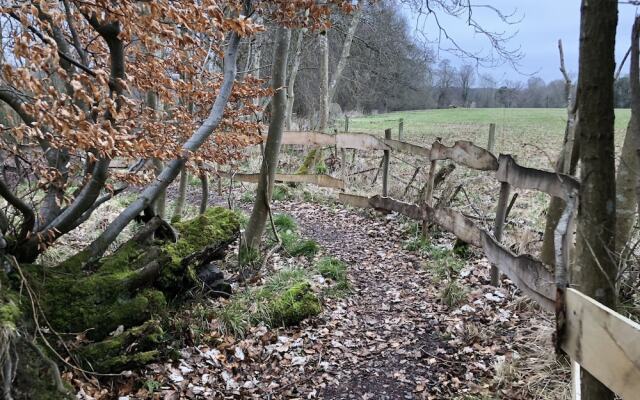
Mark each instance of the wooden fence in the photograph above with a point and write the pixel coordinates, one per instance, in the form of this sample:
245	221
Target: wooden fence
602	341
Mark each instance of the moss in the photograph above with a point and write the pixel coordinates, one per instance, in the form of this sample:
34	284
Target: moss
216	225
129	361
10	312
285	299
138	345
308	162
295	304
33	378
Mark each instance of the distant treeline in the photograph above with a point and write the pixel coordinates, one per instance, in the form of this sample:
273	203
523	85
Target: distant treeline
390	70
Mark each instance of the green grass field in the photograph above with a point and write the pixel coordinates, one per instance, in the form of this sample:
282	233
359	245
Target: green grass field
532	134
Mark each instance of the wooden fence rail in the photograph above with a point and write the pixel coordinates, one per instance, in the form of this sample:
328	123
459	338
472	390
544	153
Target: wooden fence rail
602	341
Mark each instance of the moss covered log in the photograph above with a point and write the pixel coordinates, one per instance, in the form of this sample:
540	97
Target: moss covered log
119	299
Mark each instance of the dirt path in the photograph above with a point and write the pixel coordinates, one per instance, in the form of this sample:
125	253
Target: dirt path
384	329
390	338
393	336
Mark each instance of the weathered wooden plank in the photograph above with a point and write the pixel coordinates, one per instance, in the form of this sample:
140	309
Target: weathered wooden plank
456	223
604	343
318	180
558	185
360	141
451	220
388	204
310	138
466	153
354	200
409	148
529	274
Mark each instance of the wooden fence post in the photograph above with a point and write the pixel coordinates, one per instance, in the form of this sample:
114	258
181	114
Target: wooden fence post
346	123
385	166
343	162
492	137
400	128
501	213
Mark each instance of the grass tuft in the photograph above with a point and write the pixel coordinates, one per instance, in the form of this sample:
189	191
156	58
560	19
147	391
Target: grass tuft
280	193
453	293
334	269
284	222
285	299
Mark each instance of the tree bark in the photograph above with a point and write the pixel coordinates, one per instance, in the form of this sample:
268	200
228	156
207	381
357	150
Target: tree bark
182	194
324	81
204	184
292	78
595	268
260	212
346	50
566	164
171	171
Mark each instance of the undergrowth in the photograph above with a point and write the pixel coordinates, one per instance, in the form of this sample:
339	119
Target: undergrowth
445	266
285	299
292	243
335	270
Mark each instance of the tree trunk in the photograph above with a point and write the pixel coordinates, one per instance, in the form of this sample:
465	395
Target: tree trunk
292	78
346	50
204	184
324	81
160	204
626	200
315	153
595	268
258	219
566	164
182	194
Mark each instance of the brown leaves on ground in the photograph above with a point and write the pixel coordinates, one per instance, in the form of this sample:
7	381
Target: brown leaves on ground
392	337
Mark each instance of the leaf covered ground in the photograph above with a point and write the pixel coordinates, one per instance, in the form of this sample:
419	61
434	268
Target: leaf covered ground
419	321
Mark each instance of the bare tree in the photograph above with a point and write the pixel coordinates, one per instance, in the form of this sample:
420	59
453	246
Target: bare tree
594	271
292	77
261	206
466	78
346	50
445	76
566	164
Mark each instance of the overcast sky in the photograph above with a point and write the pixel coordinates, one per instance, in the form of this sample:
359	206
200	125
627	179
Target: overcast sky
543	22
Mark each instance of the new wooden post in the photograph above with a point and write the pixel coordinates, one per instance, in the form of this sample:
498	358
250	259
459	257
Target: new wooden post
492	137
385	166
400	128
498	226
